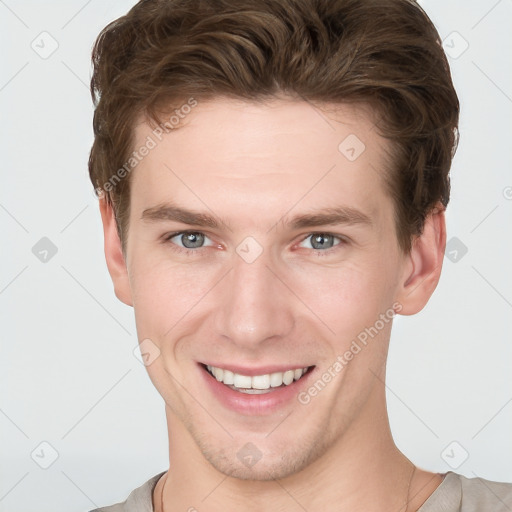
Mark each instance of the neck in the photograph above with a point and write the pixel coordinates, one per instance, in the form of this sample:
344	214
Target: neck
361	471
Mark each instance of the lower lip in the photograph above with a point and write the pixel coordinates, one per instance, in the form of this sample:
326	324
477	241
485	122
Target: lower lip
257	404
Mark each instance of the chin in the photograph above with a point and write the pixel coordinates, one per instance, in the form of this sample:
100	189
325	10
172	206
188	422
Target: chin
253	461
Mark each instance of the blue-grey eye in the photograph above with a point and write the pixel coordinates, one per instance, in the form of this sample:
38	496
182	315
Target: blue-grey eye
322	241
192	240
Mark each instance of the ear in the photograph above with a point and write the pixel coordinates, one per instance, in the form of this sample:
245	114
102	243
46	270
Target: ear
423	265
114	254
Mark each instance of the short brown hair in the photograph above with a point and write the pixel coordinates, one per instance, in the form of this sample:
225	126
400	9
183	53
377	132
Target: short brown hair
382	53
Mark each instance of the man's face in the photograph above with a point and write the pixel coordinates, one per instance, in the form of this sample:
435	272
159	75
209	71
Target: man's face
261	293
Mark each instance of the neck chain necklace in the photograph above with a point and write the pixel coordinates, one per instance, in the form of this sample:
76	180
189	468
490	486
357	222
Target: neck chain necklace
162	494
408	489
406	500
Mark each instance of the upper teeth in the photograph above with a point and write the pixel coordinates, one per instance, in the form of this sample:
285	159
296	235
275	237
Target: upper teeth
266	381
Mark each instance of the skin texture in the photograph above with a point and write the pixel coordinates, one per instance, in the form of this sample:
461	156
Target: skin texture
256	166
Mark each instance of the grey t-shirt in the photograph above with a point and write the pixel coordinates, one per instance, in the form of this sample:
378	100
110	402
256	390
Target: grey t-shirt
456	493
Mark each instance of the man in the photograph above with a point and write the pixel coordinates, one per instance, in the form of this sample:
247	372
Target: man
273	177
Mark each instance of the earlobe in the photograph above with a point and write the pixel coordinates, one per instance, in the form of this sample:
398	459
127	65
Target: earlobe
425	262
114	254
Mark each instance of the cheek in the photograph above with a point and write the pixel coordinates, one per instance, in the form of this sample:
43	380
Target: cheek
163	293
345	298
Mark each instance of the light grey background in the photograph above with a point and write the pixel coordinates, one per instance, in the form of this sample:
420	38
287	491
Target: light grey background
68	373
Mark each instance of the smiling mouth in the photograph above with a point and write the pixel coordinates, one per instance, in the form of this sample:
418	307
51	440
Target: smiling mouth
256	384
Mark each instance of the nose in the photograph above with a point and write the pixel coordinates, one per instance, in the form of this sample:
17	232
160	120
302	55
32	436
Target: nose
254	304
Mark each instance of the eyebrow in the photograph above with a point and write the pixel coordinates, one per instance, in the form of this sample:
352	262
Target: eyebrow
321	217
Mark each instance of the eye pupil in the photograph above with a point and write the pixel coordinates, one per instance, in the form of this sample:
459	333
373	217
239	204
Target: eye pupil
322	241
195	240
192	240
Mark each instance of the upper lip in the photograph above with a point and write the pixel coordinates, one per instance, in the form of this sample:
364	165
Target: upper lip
260	370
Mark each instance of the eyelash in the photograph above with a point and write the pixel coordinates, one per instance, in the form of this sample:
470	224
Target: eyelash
192	252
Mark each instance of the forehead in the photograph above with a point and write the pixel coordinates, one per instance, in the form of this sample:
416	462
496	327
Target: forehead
271	155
